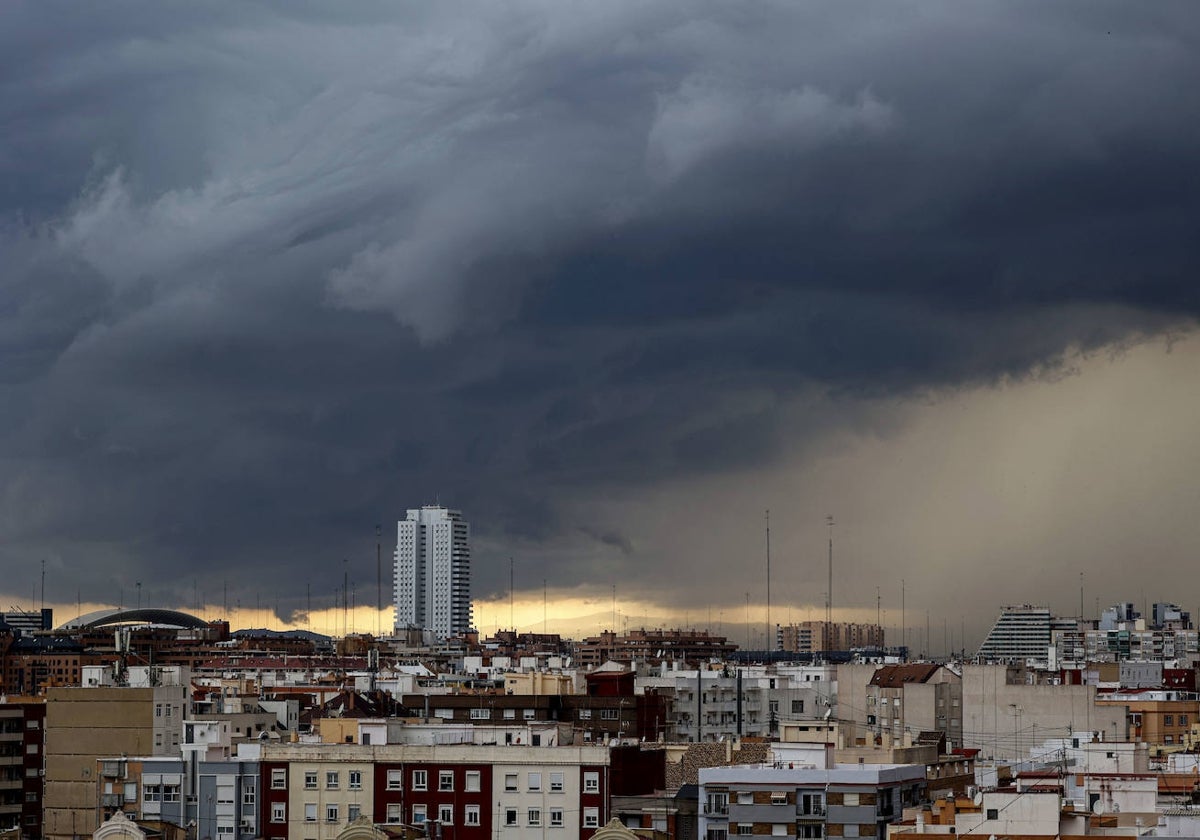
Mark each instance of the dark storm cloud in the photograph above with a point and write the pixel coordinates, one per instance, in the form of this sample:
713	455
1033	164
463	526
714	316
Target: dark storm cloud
274	273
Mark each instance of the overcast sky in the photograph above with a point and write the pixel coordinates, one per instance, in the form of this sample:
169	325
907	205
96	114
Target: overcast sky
613	279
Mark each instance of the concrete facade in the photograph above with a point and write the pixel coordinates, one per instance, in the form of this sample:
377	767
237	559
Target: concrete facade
84	725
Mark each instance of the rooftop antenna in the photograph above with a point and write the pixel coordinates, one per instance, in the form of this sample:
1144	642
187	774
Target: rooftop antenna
903	621
747	621
614	609
512	610
1081	596
379	580
345	594
545	624
829	594
43	602
767	637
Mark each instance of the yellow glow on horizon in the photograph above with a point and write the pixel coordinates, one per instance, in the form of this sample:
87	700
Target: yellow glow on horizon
575	617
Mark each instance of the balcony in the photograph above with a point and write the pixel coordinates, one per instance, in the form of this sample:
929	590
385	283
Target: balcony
814	812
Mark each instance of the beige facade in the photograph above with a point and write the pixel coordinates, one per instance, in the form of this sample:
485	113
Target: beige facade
87	724
538	683
1006	720
324	795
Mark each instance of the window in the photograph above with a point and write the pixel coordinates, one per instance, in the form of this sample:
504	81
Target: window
353	812
797	707
556	817
419	813
591	782
591	817
393	812
331	780
394	779
170	793
446	780
810	830
1168	720
610	714
224	831
535	781
779	797
444	714
811	803
331	813
529	714
1167	739
446	814
510	781
584	714
310	779
248	796
1183	720
279	780
533	817
510	816
277	812
481	714
993	813
31	724
510	714
745	829
310	812
850	799
556	782
471	781
420	780
471	815
355	780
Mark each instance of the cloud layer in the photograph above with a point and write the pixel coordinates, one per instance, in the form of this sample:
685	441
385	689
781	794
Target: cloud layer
275	273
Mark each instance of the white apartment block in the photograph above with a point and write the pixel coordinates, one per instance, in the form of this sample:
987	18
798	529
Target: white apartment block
432	571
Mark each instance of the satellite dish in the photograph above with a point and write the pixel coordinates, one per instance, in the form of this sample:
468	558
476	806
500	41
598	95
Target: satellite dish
828	714
977	798
1098	808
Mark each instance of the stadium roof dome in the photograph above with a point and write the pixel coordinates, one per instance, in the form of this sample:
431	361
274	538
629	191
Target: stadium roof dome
113	617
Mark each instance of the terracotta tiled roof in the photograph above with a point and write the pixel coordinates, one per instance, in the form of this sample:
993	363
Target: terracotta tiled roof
894	676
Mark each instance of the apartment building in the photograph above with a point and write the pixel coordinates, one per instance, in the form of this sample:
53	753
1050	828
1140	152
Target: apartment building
312	791
85	724
914	698
1158	718
218	799
819	799
22	724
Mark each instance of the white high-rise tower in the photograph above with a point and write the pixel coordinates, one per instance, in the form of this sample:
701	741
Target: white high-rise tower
432	572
